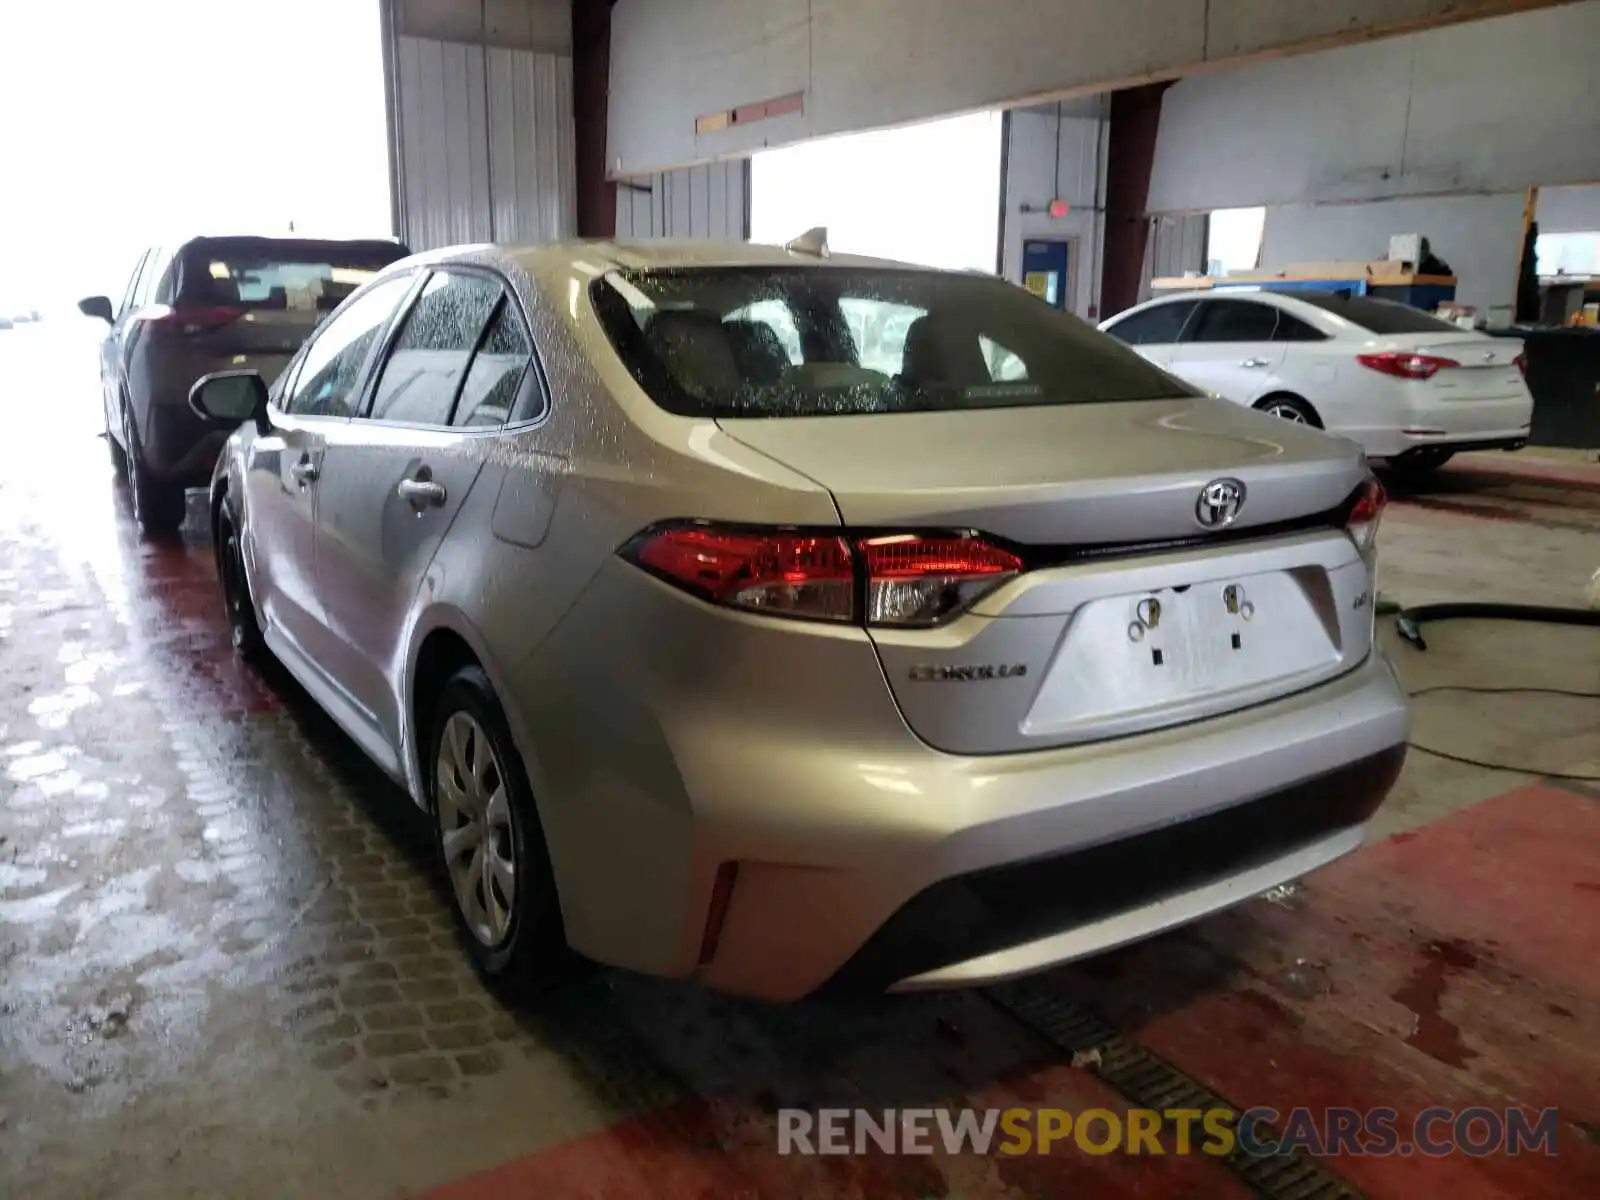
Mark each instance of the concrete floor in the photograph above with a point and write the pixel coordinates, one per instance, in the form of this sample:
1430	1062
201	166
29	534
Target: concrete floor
226	965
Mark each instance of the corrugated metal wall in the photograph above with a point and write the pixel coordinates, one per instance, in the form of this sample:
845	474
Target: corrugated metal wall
1176	245
698	202
485	144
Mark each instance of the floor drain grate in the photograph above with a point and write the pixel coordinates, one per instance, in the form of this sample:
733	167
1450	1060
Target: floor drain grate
1152	1082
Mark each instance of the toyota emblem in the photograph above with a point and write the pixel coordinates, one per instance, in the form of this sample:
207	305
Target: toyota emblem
1219	503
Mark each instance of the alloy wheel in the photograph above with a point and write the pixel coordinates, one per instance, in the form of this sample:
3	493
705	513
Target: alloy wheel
475	829
1287	412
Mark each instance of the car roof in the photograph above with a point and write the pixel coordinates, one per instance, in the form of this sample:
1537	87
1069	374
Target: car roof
606	254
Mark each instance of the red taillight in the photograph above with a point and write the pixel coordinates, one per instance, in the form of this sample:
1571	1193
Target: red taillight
1521	363
779	572
905	579
161	319
1406	366
1366	510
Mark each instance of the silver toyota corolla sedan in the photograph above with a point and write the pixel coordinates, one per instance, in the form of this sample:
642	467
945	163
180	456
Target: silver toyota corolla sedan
784	620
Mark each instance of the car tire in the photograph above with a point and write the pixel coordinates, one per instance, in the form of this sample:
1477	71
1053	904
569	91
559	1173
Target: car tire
490	841
1290	408
158	508
1418	465
119	457
244	629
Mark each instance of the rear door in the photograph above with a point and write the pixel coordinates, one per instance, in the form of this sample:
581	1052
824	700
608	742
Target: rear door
284	472
1229	348
395	478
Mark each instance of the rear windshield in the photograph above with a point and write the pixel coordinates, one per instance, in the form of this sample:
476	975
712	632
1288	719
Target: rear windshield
815	341
1377	316
272	274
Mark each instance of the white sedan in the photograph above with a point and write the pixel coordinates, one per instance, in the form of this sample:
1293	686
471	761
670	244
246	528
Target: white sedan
1409	387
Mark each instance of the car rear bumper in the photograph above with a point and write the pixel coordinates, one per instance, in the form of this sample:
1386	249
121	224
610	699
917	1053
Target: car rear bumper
1072	853
784	769
1467	424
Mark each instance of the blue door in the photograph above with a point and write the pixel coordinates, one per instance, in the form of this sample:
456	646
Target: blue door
1045	270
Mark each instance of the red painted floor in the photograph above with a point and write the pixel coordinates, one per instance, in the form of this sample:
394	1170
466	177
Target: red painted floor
1455	966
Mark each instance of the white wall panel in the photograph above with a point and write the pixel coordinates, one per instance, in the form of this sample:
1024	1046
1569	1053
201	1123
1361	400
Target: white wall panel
1479	236
485	143
1176	245
866	64
1487	107
696	202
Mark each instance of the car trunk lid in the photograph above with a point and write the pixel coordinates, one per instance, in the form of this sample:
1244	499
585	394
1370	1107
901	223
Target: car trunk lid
1482	367
1131	614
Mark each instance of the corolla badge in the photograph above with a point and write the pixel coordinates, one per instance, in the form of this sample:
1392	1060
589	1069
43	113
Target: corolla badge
968	674
1219	503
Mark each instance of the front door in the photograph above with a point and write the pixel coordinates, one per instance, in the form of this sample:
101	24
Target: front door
1228	348
285	476
395	479
280	482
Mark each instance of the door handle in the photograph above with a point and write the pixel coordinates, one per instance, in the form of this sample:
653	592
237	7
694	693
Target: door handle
1255	362
421	493
305	471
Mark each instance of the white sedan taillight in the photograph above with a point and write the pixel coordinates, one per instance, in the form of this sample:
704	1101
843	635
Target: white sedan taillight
1364	513
908	579
1406	366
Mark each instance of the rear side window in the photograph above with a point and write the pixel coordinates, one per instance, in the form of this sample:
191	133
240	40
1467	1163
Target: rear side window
495	376
429	358
332	368
1235	321
1158	326
1382	317
1293	329
807	341
279	274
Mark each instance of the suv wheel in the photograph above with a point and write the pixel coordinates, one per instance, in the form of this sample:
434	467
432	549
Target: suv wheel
490	841
119	459
157	506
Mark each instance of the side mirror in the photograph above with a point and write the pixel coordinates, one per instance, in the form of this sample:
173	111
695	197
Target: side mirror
97	306
231	398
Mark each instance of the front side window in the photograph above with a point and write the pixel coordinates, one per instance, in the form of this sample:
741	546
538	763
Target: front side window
429	359
868	340
332	369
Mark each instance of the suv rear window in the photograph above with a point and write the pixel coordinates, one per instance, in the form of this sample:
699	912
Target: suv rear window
818	341
1376	316
279	274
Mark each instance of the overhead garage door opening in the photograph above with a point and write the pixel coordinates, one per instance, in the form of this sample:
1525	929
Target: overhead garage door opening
176	117
926	193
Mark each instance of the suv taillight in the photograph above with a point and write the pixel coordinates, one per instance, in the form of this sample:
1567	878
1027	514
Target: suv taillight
190	320
1406	366
1365	511
1521	363
908	579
